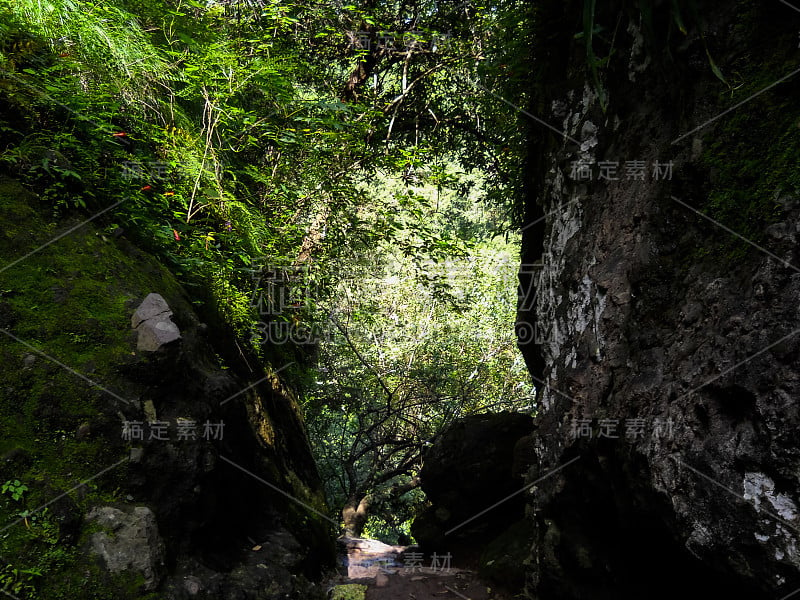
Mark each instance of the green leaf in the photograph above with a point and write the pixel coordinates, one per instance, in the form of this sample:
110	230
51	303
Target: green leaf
676	14
591	59
715	69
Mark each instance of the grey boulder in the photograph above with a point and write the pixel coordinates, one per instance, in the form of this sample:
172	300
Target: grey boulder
153	324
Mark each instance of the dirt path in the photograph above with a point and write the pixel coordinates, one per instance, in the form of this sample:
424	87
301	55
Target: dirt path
405	573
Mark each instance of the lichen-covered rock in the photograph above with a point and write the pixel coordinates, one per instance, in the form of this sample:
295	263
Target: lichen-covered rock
130	542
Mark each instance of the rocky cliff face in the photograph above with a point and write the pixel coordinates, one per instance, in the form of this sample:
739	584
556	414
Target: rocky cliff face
167	462
668	350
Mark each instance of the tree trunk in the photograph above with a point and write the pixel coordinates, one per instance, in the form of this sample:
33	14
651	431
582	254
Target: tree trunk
355	514
356	511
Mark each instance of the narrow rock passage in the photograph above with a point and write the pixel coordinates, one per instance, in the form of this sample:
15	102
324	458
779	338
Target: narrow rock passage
383	572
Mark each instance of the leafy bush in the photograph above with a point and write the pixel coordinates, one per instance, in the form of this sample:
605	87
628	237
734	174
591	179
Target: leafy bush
14	488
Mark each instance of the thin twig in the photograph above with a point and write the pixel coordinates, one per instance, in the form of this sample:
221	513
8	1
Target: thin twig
449	589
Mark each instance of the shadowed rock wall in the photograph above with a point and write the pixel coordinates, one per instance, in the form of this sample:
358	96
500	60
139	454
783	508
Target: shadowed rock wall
669	360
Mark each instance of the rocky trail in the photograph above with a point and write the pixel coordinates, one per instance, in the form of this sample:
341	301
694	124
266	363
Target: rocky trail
372	570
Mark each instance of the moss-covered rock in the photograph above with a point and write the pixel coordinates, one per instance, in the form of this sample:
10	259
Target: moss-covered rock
73	377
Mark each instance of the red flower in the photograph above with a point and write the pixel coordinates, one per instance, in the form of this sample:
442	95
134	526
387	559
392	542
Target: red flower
120	134
147	188
176	235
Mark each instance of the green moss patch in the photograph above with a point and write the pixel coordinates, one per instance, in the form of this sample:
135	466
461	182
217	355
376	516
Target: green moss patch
751	155
350	591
